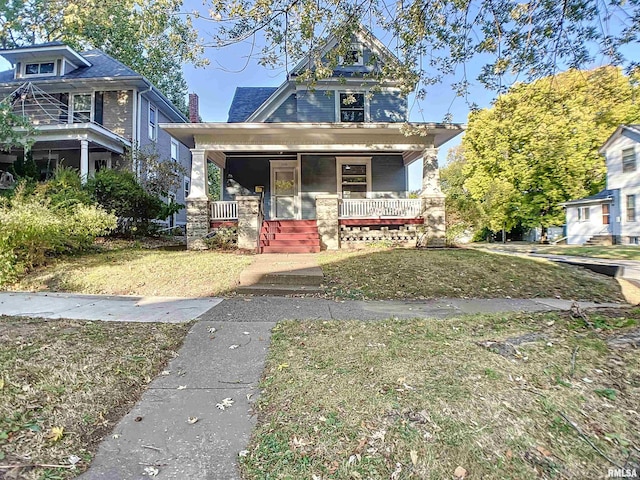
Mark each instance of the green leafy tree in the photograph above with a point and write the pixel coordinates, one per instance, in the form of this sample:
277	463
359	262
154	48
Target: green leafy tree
147	35
15	130
538	145
436	39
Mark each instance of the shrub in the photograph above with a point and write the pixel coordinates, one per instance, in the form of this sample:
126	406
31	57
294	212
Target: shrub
64	189
32	230
118	191
223	238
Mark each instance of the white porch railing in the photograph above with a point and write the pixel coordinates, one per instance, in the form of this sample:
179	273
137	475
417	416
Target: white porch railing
381	207
224	210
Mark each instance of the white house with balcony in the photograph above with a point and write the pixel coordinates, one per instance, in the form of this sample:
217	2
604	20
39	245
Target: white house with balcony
612	216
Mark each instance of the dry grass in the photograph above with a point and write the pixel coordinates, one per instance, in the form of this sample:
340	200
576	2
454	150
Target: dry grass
78	376
390	274
417	399
135	271
623	252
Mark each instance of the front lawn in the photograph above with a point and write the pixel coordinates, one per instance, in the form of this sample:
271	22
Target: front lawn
64	384
137	271
420	274
434	399
622	252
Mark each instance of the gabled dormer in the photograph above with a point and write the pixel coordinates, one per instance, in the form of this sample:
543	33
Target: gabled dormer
354	91
53	59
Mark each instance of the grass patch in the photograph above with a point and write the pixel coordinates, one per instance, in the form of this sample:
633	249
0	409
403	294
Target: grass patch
138	271
389	274
64	385
417	399
622	252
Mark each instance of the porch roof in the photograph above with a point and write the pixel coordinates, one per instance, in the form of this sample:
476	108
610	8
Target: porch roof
64	134
410	139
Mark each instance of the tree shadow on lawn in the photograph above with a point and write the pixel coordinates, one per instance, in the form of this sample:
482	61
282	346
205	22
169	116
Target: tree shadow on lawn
460	273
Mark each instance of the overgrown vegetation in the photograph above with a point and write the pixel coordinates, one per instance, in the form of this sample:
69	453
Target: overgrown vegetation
223	238
398	273
64	384
435	399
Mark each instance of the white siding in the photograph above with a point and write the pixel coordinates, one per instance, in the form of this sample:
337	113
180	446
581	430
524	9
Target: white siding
579	232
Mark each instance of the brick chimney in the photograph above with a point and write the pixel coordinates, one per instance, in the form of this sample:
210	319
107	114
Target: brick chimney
194	114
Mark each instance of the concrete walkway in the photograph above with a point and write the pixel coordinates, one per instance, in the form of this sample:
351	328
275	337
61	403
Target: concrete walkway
104	307
227	363
282	274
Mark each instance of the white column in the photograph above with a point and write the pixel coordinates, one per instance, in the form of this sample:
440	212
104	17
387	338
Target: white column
199	175
84	160
430	172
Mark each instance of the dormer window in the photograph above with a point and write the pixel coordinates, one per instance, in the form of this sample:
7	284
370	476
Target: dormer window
44	68
353	56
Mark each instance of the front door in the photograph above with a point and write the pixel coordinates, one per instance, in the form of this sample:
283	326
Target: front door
284	189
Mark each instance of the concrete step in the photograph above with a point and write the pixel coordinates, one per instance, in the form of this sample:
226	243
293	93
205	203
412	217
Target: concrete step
279	290
307	277
291	249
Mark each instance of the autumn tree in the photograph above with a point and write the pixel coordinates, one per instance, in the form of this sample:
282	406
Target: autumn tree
148	36
538	145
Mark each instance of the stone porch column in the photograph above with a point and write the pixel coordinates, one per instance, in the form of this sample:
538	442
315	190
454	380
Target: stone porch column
198	213
248	221
433	205
327	212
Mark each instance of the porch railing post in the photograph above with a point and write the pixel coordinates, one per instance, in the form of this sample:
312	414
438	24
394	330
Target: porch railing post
198	212
248	221
327	211
433	206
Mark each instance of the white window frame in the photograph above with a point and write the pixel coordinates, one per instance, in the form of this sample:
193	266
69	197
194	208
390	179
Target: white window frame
73	110
354	47
152	127
584	214
367	116
628	209
630	152
340	161
40	63
176	145
186	186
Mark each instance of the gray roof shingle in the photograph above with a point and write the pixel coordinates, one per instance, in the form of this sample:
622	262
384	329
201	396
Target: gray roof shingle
247	100
602	195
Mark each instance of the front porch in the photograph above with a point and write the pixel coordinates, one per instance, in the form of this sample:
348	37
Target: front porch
346	178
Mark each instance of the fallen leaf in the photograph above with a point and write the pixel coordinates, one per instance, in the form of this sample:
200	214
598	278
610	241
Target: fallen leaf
226	403
212	330
181	387
282	366
1	383
509	454
233	347
73	459
165	373
544	451
243	453
151	471
192	420
414	457
55	434
459	473
137	419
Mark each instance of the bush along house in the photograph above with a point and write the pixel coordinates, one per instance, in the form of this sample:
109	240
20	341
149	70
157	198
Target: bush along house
87	109
324	167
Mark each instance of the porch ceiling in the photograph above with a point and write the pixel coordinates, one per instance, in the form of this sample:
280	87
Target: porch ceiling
409	139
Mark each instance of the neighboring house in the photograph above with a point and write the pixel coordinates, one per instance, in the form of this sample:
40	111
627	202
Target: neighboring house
343	141
611	216
87	109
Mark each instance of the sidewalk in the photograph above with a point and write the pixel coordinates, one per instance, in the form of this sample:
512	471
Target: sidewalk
228	363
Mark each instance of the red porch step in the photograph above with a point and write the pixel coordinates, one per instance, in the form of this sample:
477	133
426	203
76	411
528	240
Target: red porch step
289	236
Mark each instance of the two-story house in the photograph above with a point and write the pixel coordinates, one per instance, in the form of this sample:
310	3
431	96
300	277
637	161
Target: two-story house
611	216
87	109
344	138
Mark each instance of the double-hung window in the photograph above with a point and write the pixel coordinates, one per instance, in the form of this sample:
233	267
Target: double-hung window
352	106
631	208
175	148
82	107
584	214
153	122
628	160
606	214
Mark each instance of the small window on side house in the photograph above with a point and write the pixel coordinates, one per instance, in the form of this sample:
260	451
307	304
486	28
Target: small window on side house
187	186
153	122
352	107
631	208
353	55
583	214
628	160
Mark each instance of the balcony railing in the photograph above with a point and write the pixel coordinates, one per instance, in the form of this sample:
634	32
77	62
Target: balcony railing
224	210
381	208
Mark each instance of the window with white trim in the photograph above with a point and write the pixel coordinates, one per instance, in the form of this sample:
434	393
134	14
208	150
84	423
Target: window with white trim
175	149
352	107
82	106
584	214
631	208
354	177
43	68
353	55
153	122
187	186
628	160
